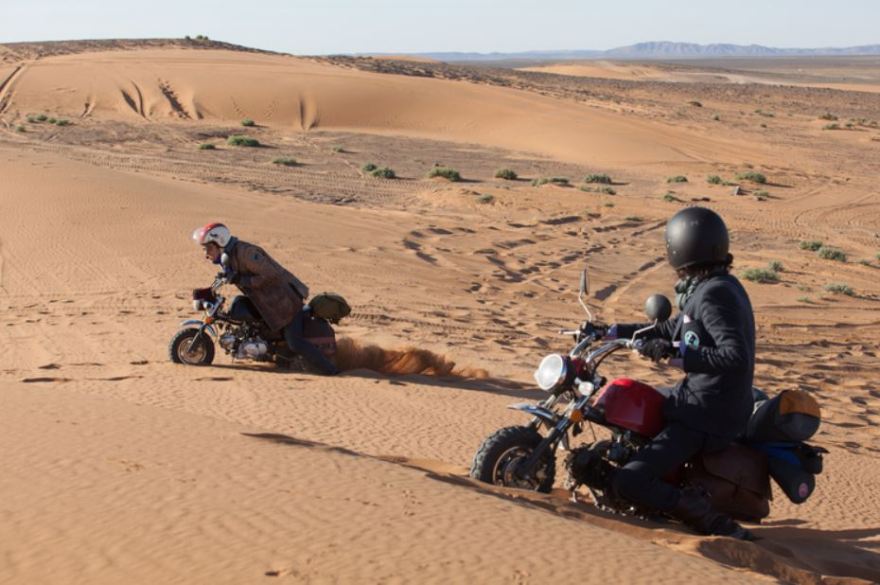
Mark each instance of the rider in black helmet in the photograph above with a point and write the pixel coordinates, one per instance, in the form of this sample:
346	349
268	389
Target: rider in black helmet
713	340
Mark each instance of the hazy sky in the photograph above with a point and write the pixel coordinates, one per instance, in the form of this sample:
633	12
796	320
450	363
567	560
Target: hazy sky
346	26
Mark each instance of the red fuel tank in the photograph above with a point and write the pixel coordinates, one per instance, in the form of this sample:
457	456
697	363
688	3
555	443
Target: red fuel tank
632	405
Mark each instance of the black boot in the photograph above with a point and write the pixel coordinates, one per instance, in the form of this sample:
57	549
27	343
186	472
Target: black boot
695	510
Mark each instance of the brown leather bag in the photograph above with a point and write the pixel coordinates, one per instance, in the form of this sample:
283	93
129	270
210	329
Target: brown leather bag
737	479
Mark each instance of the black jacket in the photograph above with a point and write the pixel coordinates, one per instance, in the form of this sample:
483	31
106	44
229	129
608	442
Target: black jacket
716	335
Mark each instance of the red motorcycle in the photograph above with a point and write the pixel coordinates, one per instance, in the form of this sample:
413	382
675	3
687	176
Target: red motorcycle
737	479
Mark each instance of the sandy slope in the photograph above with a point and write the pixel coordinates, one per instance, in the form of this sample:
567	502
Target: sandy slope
122	466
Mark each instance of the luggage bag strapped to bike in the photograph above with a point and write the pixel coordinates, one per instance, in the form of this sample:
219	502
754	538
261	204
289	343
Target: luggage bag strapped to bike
736	480
779	427
330	307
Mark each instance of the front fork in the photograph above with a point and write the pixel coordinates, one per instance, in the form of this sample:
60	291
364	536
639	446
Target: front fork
202	327
559	426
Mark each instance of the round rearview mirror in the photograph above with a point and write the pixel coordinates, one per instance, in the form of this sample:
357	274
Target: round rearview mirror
224	259
658	308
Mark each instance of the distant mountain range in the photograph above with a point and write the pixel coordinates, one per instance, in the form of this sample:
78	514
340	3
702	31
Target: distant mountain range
660	50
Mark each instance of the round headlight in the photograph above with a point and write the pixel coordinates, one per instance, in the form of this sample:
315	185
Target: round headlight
551	372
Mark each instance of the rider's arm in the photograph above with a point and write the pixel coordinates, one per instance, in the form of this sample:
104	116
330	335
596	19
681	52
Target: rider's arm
720	313
663	330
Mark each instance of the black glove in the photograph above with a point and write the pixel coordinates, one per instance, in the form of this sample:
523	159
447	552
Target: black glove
657	349
233	277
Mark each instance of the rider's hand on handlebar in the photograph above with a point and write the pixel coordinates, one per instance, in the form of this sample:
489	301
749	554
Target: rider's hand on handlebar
657	349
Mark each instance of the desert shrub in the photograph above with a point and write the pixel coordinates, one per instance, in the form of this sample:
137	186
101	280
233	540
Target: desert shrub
634	218
42	118
716	117
695	103
765	114
383	173
285	161
752	176
677	179
776	266
555	180
840	288
248	123
877	256
506	174
598	178
806	300
51	120
828	116
811	245
241	140
604	190
20	129
207	146
338	149
833	126
445	172
762	193
714	180
62	122
671	198
369	168
609	204
486	198
829	253
760	275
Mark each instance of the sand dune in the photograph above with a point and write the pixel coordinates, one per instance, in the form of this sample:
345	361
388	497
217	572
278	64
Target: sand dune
121	466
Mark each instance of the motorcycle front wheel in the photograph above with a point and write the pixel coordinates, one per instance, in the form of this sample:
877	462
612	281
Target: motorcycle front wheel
497	459
186	348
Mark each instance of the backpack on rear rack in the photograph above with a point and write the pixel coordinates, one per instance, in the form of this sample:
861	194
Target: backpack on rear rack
778	427
330	307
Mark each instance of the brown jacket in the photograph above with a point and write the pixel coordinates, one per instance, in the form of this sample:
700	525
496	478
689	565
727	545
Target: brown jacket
276	293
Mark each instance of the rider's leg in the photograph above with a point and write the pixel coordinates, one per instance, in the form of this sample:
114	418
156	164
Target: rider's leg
293	335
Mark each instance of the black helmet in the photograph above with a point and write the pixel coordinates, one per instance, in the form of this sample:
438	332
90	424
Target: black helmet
696	235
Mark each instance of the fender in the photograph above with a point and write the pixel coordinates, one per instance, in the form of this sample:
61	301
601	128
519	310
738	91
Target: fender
537	411
201	325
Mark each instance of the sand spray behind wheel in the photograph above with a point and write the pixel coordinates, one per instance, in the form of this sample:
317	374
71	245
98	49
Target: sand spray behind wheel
353	355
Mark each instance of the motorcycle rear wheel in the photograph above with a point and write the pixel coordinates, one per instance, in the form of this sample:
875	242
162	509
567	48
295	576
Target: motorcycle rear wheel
497	458
182	349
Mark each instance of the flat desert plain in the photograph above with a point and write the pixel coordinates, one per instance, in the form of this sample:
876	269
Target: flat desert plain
121	467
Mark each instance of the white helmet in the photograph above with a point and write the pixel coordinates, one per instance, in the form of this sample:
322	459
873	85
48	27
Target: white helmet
213	232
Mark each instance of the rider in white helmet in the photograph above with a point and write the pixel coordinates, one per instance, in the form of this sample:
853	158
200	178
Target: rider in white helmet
277	294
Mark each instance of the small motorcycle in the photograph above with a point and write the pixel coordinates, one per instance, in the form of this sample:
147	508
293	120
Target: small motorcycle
579	396
242	333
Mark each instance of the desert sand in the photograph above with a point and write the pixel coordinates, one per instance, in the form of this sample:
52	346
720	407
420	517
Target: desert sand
120	466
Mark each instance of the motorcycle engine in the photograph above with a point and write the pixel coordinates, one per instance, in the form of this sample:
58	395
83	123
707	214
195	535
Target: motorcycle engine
588	466
254	348
227	341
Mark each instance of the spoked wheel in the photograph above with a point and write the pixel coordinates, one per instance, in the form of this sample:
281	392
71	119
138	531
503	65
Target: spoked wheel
189	348
500	456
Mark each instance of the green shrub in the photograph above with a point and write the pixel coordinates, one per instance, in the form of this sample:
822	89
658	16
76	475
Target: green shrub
760	275
828	116
506	174
829	253
806	300
555	180
486	198
714	180
677	179
207	146
776	266
834	126
811	245
695	103
765	114
20	129
605	190
635	218
671	198
445	172
369	168
609	204
598	178
383	173
752	176
287	162
241	140
840	288
248	123
62	122
338	149
42	118
877	256
51	120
